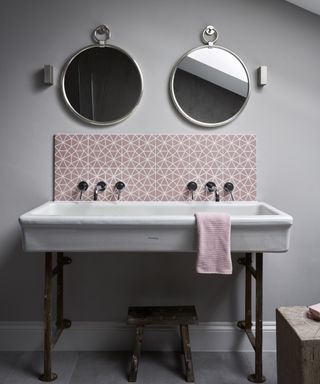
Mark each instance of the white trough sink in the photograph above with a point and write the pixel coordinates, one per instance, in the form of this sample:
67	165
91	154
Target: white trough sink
149	226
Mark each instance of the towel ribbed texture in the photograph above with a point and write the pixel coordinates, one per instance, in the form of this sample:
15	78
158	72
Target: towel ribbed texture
214	254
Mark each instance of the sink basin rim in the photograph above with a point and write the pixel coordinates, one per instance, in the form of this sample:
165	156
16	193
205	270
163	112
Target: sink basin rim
37	217
250	232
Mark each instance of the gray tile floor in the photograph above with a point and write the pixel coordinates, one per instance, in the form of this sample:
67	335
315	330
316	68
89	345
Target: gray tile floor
111	367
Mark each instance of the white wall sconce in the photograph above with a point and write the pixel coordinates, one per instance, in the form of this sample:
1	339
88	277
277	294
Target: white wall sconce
48	74
262	78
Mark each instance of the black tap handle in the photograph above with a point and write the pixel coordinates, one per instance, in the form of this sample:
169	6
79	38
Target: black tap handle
192	186
119	186
228	187
83	186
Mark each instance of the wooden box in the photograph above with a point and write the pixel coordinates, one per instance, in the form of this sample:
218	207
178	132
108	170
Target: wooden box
298	347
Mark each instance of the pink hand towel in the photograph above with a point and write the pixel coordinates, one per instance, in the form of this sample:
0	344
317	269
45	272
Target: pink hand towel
214	254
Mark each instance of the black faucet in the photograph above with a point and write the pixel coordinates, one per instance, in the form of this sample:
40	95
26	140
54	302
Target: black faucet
229	187
119	187
82	186
100	187
192	187
212	188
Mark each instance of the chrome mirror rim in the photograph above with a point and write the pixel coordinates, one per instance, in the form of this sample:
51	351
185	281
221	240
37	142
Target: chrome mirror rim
85	119
177	105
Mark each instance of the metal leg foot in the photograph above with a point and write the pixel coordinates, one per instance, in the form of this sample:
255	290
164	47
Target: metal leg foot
242	324
67	323
254	378
67	260
51	377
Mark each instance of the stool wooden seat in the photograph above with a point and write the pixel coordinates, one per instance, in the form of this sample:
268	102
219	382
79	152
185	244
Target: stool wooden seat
172	315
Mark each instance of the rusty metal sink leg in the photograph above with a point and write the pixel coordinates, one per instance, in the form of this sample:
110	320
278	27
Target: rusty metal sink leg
51	338
246	325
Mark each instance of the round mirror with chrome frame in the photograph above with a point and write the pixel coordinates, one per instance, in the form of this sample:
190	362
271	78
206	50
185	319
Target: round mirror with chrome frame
210	85
101	83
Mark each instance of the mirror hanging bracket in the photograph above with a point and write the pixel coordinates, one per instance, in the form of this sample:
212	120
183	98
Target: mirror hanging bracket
209	36
101	35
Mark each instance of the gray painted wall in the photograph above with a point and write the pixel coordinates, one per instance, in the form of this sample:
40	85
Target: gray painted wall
284	115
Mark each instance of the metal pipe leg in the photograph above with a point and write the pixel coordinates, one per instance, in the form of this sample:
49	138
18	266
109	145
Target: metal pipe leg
258	377
248	293
48	375
62	260
60	290
246	324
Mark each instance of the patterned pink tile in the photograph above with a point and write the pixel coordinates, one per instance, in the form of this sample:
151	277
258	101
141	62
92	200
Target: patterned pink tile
71	151
66	182
141	176
140	184
173	151
138	151
105	151
140	193
165	193
239	152
155	167
244	181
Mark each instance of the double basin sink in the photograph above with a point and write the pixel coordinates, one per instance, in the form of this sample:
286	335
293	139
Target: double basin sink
149	226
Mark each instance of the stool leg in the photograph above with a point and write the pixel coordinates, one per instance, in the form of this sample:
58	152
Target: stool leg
133	370
184	331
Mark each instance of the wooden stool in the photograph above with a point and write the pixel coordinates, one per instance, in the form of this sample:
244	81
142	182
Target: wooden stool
298	347
182	316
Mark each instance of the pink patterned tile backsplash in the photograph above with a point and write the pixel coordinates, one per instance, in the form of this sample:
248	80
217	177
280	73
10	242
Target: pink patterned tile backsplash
154	167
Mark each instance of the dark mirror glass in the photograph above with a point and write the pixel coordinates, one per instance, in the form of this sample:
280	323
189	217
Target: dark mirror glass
102	85
210	86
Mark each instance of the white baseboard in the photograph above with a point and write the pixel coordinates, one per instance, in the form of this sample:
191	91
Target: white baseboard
110	336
